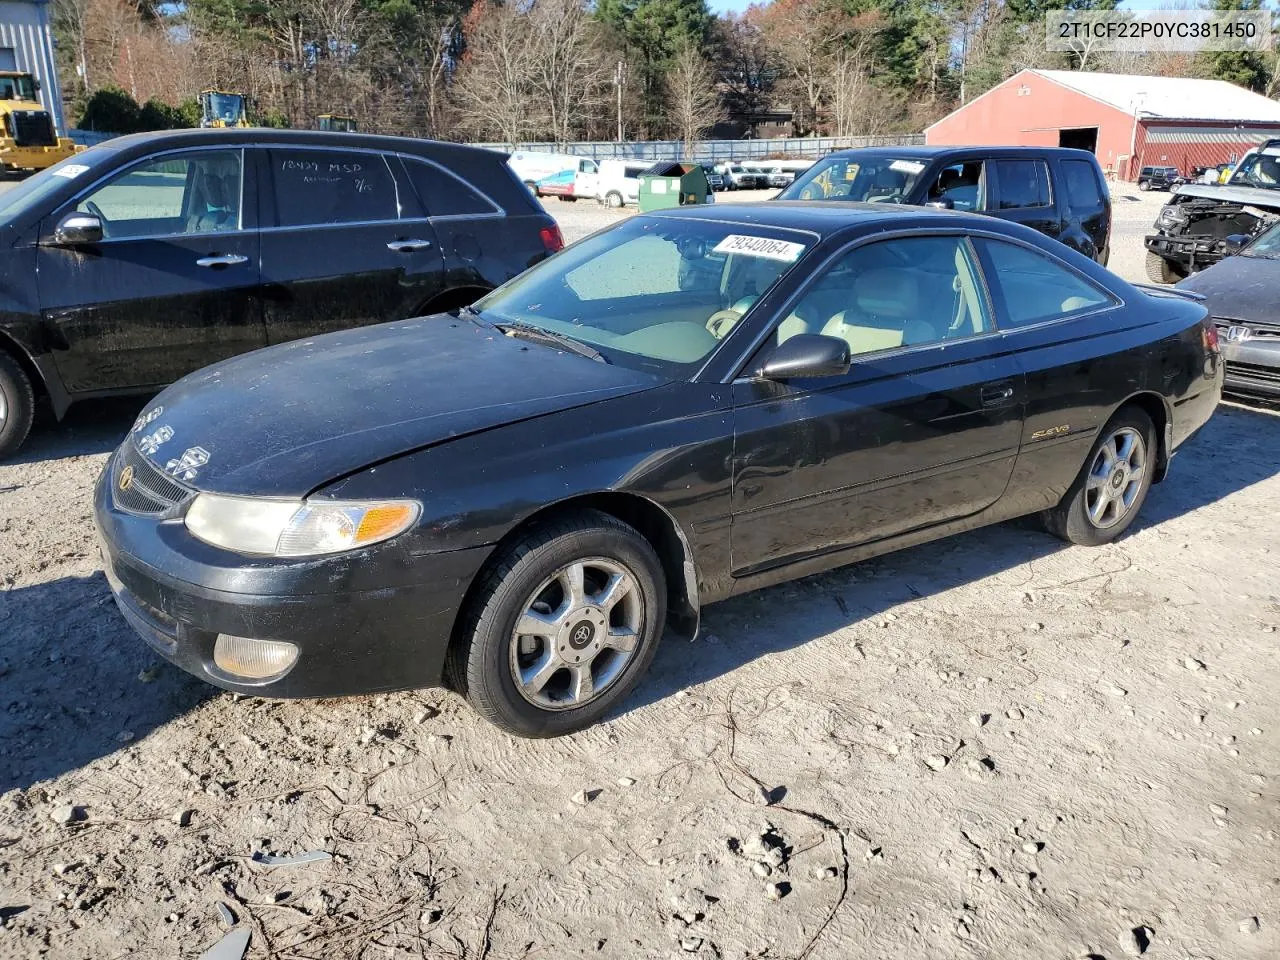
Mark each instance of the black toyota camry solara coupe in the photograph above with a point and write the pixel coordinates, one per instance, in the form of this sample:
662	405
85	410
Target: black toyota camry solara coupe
518	499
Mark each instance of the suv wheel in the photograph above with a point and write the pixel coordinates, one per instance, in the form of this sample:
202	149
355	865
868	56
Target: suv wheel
17	405
563	626
1160	270
1144	185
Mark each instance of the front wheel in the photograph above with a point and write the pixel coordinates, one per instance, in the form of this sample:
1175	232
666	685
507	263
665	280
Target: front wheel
613	199
562	627
1144	186
1112	485
1160	270
17	405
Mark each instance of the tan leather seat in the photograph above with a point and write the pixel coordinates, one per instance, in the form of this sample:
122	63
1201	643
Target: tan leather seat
885	313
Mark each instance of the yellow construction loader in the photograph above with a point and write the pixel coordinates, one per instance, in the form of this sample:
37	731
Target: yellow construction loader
336	124
28	139
221	109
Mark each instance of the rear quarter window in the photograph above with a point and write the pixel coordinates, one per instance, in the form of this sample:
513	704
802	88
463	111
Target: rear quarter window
445	195
1080	184
1035	288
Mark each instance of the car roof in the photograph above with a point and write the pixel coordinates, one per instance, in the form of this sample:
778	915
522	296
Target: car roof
265	136
934	151
826	218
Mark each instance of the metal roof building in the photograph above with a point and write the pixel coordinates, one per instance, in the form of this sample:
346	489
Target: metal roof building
26	45
1129	121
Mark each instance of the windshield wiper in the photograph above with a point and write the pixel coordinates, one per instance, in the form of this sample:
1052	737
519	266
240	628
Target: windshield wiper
527	331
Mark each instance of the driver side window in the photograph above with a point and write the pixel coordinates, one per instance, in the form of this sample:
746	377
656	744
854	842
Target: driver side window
895	293
186	194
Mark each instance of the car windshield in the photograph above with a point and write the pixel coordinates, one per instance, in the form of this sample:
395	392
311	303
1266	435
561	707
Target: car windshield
33	191
1259	170
871	177
1266	245
226	106
653	293
21	87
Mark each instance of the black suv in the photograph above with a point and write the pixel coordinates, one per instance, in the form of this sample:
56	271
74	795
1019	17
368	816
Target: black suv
152	255
1060	192
1159	178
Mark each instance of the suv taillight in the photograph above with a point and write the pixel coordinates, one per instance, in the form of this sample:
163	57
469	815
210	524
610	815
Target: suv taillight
552	239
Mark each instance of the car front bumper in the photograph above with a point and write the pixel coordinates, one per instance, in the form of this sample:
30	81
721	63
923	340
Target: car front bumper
353	637
1253	367
1192	253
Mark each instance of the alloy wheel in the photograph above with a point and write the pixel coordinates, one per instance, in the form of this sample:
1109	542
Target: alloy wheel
1116	477
577	633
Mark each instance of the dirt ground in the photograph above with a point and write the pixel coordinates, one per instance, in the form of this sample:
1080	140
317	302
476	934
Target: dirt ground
992	747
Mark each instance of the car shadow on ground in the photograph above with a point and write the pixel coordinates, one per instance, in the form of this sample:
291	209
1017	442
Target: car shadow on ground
67	702
91	427
1238	448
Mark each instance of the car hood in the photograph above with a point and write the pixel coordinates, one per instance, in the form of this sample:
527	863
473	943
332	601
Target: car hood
1251	196
288	419
1239	288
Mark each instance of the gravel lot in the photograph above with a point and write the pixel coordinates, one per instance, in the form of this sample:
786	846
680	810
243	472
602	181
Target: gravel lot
997	746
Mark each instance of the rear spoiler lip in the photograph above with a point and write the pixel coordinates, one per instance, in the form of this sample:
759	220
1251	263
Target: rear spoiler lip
1152	289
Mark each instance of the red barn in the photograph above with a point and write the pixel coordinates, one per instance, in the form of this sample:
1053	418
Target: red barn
1128	121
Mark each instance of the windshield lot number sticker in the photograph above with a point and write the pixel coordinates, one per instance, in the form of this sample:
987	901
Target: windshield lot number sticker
765	247
188	465
70	171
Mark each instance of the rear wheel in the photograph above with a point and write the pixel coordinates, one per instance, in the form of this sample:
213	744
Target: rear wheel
1112	485
17	405
563	626
1160	270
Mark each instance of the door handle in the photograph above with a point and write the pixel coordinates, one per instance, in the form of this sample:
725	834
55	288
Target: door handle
408	246
996	394
222	260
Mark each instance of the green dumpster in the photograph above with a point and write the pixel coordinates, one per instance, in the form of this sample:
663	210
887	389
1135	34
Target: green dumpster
671	184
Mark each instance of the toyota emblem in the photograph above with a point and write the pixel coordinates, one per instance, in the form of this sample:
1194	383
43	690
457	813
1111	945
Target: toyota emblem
126	478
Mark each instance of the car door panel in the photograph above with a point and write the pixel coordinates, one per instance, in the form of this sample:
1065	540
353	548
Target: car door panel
345	245
145	307
1017	185
912	436
905	442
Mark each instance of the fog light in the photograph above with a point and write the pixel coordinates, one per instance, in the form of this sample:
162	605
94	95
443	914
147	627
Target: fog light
253	659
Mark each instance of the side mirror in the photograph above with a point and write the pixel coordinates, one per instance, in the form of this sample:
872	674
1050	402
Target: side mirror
942	203
77	228
1234	243
808	355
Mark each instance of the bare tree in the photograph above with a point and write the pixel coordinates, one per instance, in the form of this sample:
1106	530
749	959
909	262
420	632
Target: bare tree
848	74
692	101
571	67
495	87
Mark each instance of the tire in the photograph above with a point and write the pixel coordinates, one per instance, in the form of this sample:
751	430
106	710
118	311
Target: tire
1144	185
17	405
567	199
1160	270
1104	500
529	580
613	199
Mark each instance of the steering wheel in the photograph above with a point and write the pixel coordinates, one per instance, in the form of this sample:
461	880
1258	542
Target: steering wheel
722	321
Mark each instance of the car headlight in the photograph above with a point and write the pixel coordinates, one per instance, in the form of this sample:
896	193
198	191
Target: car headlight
297	528
1172	214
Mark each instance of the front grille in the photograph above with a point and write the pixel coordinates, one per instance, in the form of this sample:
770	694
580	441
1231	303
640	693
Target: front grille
1255	373
149	492
33	128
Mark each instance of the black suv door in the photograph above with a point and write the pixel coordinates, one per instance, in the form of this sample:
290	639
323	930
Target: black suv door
1019	189
173	284
343	242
